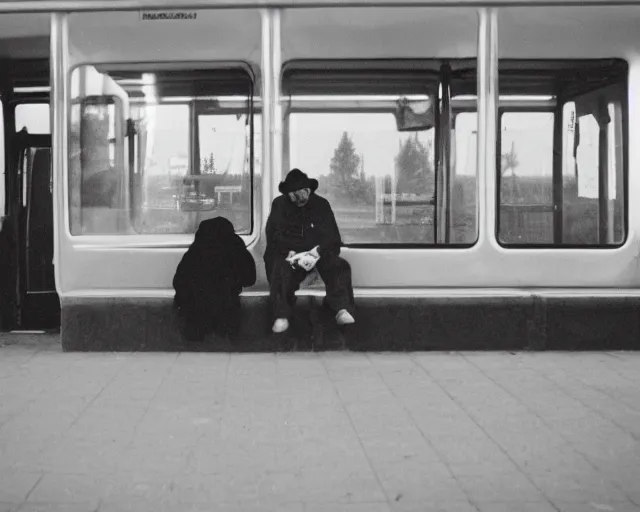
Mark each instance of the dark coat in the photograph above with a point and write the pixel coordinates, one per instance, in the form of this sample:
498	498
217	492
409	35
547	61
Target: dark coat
293	228
214	269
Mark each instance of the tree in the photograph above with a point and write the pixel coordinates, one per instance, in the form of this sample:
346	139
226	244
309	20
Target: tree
413	167
509	162
344	177
208	165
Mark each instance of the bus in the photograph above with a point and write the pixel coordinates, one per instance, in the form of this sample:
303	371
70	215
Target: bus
476	154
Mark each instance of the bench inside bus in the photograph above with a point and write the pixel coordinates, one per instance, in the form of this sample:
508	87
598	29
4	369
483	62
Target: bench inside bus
524	321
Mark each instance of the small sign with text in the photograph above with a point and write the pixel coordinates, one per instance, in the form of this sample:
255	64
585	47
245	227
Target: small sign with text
167	15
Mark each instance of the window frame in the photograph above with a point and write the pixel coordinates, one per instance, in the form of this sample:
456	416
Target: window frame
254	105
621	105
558	191
194	151
295	104
374	245
550	108
557	177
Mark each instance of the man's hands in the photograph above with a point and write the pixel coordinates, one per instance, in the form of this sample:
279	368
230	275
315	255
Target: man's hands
307	260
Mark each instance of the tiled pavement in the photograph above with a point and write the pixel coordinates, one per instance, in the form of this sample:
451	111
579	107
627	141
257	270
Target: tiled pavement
345	432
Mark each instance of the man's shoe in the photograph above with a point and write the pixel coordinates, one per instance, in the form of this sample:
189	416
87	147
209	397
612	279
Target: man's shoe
280	325
344	317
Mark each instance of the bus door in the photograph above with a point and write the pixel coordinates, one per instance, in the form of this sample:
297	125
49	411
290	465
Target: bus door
36	301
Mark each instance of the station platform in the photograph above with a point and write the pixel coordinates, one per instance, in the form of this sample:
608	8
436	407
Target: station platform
317	431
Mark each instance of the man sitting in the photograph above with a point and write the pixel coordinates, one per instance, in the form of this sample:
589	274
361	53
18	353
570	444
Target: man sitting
302	234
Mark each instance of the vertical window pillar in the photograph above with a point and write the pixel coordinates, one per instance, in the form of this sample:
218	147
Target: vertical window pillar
271	109
557	176
605	233
59	124
487	123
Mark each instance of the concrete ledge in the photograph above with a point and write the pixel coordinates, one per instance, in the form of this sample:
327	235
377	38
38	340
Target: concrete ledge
525	322
593	323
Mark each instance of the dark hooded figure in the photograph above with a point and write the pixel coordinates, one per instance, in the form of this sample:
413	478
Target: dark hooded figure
302	223
210	278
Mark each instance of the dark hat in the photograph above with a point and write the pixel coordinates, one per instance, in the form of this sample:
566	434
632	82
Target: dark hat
296	180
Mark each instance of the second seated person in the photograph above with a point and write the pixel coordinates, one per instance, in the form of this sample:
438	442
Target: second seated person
210	278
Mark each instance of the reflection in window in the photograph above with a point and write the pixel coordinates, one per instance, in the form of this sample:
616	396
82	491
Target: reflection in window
379	138
34	117
526	178
176	199
593	188
161	165
585	205
98	193
175	152
381	182
464	219
561	161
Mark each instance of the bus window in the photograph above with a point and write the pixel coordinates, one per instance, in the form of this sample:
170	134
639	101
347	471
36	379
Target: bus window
387	186
180	153
166	164
34	117
561	164
593	198
525	178
96	163
464	196
380	182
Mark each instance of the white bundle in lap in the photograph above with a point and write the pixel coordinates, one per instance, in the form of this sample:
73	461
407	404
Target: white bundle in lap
307	260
